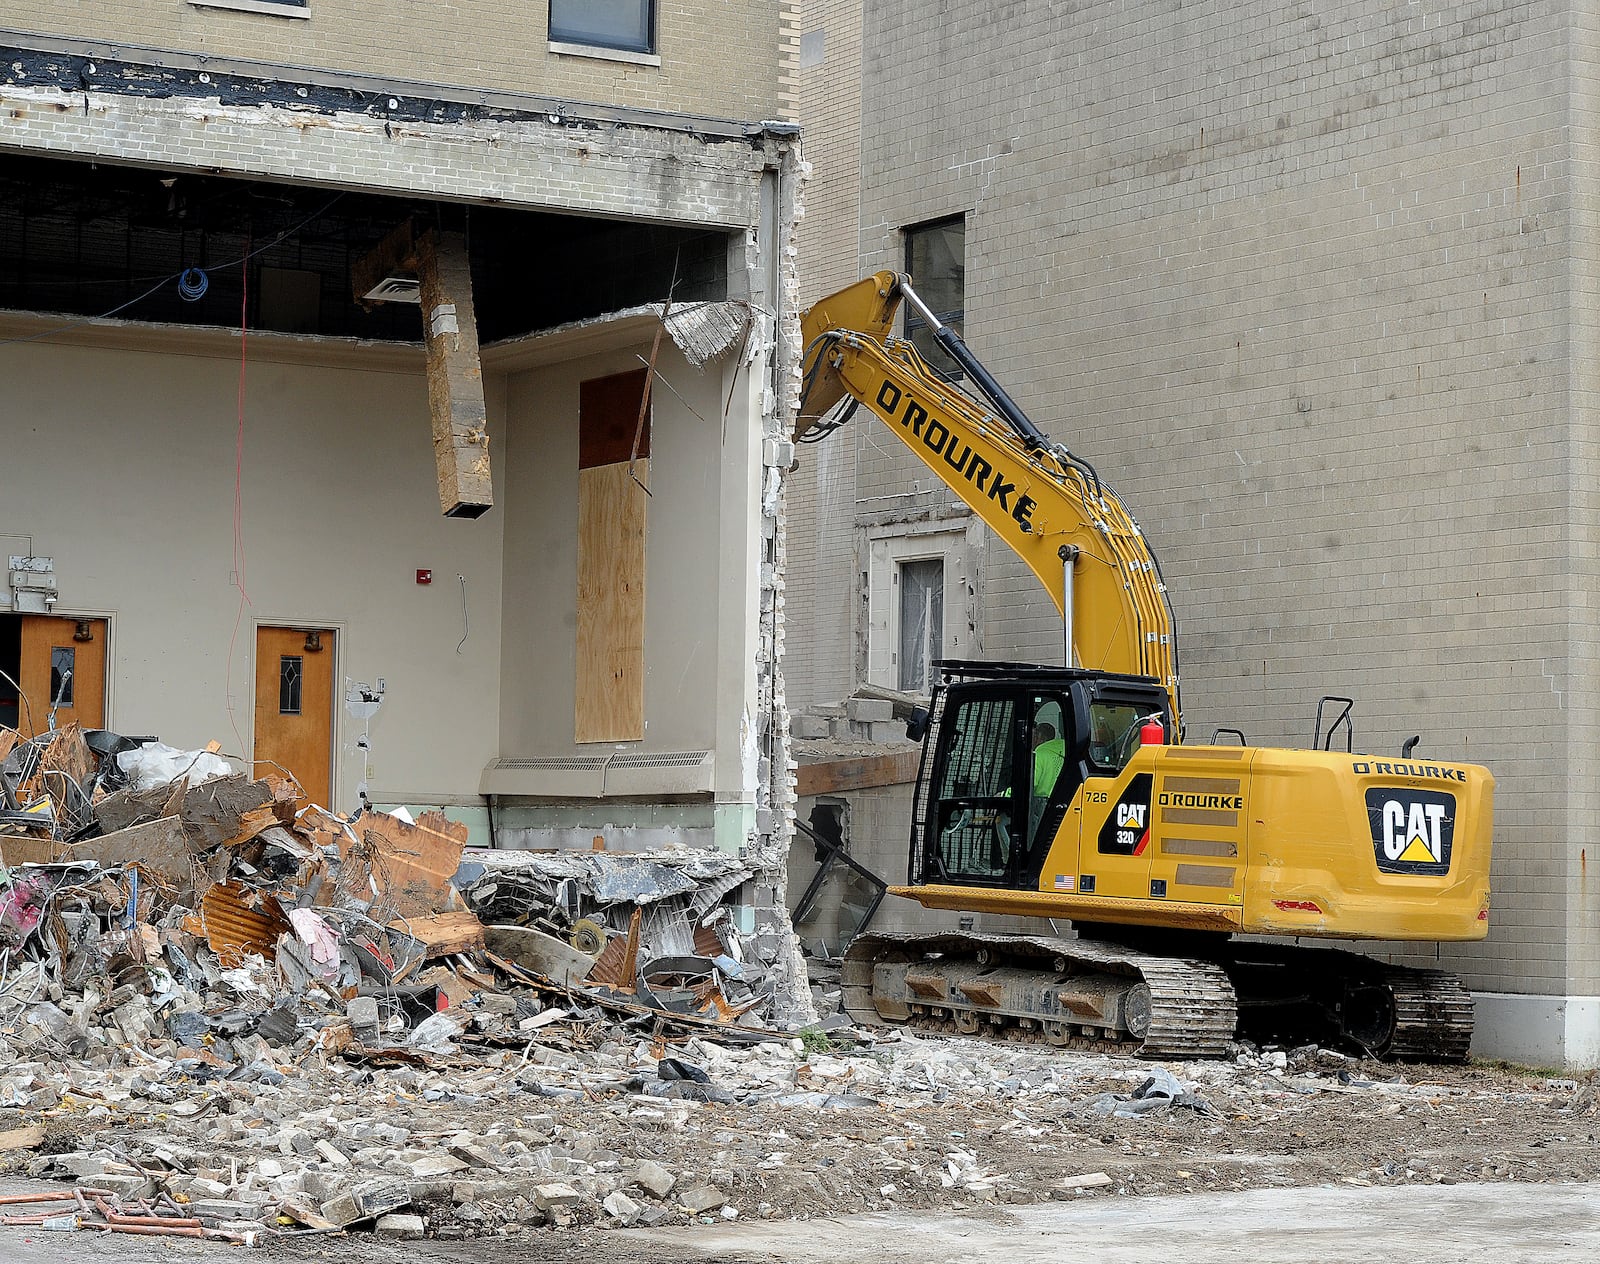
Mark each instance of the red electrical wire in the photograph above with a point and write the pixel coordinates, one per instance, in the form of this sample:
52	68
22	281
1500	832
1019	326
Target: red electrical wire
238	494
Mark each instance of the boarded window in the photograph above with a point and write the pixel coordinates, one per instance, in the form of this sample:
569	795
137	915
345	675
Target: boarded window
611	558
626	24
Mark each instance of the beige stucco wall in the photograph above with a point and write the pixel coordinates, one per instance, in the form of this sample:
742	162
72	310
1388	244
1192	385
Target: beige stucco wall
541	559
717	60
127	481
119	464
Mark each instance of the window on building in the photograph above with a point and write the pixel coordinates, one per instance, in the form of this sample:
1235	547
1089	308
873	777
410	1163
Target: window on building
921	622
629	25
936	258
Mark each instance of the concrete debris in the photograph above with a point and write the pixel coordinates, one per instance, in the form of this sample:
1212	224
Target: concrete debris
242	1035
602	1124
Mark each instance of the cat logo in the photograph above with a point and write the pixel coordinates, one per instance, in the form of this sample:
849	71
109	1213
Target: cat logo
1126	831
1412	830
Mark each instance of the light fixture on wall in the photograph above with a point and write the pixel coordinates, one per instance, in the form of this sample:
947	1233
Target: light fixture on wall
313	643
83	630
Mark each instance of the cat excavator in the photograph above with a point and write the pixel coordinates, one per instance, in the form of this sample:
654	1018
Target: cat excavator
1192	874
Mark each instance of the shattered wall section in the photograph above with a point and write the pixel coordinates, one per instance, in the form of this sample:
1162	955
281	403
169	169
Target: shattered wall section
775	802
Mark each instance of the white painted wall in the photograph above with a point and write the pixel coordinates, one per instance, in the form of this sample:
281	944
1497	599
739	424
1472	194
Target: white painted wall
118	461
117	458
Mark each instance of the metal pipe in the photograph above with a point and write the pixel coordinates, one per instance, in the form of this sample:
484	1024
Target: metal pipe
1069	556
1032	437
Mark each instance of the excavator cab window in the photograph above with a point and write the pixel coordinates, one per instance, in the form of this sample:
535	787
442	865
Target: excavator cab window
1114	733
976	814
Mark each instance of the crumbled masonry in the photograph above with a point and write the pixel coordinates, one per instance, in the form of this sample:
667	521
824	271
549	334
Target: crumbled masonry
269	1020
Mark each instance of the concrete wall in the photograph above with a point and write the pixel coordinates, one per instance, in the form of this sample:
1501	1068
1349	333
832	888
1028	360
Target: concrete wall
1310	288
119	463
718	60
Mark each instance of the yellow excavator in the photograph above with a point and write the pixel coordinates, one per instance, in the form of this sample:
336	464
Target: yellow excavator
1066	792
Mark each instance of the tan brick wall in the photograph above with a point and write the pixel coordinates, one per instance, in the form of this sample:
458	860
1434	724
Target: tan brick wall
720	60
1308	288
823	588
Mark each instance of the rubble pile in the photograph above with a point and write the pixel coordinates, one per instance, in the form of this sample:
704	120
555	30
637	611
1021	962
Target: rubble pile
226	1012
169	923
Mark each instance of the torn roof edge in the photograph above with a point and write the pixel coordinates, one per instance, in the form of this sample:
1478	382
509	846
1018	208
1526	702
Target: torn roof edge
704	330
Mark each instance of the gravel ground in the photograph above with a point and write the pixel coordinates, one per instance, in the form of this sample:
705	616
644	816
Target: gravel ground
898	1124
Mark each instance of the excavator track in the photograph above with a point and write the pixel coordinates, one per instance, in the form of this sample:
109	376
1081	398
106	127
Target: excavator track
1433	1017
1062	992
1112	998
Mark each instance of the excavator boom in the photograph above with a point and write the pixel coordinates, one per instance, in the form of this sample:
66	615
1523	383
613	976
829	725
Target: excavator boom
1050	508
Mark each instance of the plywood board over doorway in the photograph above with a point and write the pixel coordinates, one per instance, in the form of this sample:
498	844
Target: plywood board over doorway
62	667
294	706
611	557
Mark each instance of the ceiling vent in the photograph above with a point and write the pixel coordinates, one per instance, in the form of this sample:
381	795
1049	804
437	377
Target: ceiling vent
395	289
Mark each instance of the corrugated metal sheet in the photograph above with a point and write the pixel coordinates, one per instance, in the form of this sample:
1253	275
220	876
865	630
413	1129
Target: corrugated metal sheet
233	929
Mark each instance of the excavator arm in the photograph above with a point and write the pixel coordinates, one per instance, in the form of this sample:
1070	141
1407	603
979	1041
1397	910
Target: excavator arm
1049	507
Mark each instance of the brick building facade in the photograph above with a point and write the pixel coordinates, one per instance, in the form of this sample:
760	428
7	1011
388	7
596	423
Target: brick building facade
1312	290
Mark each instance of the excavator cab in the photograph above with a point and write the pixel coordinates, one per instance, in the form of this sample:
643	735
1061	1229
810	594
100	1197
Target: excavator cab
1008	749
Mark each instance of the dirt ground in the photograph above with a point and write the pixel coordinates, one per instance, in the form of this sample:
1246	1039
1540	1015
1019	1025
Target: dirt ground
955	1125
1317	1120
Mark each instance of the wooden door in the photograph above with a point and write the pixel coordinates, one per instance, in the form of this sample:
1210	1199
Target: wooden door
294	706
63	665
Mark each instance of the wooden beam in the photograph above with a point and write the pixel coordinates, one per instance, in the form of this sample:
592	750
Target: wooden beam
455	376
835	776
443	272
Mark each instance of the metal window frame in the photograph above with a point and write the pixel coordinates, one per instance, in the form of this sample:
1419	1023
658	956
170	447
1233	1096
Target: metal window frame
567	37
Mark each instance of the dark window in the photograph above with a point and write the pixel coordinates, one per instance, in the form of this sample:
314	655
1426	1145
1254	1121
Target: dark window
63	659
290	674
936	258
921	622
626	24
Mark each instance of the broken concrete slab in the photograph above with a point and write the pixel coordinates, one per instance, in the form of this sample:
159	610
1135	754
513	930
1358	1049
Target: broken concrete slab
543	954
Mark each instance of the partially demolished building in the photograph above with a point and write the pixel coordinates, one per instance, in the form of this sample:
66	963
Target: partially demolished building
278	284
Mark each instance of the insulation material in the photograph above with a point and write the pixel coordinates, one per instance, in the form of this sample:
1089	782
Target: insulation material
706	331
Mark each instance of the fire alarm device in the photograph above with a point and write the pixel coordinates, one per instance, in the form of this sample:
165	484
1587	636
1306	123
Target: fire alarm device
424	577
